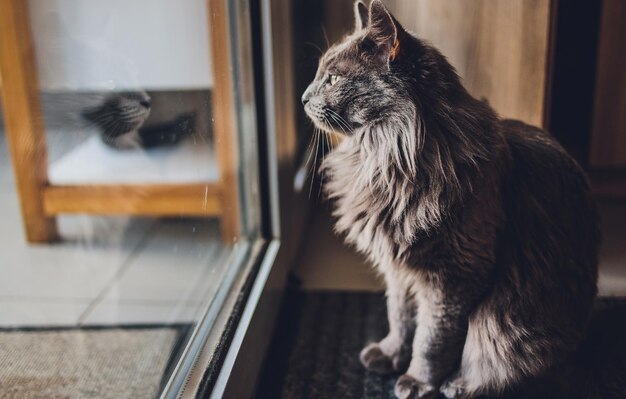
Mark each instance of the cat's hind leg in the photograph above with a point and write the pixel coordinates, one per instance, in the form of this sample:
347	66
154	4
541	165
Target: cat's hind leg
490	362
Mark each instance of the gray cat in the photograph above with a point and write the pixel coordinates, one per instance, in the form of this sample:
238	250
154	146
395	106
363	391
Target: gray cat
120	120
483	229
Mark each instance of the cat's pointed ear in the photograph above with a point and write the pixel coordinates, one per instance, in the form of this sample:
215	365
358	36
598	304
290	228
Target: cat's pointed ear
384	30
361	15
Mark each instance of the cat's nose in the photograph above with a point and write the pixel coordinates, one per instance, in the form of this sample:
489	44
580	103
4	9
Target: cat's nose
145	103
306	96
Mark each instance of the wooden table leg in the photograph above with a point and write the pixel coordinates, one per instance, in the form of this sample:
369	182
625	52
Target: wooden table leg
23	119
224	125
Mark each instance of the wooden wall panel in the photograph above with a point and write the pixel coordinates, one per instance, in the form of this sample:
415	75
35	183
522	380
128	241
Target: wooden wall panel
608	137
500	48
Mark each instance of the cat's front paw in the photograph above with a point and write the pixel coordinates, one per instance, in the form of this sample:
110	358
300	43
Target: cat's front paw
408	387
454	388
374	359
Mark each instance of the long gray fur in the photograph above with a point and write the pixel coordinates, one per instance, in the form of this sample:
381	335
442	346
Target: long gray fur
483	229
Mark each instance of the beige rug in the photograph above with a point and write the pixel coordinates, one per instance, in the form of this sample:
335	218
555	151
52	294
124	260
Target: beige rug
98	363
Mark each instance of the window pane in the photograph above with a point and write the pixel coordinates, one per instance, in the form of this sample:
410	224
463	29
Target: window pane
128	187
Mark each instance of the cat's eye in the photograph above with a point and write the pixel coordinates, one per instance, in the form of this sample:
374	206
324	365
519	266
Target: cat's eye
333	79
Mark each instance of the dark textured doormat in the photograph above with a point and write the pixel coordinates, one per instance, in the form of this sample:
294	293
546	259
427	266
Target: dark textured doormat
93	362
314	352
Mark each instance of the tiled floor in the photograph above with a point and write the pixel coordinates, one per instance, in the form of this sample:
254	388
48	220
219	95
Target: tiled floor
106	270
148	272
328	264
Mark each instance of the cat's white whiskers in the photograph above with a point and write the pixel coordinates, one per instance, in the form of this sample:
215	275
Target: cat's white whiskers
339	123
339	119
309	151
326	138
315	46
326	37
316	149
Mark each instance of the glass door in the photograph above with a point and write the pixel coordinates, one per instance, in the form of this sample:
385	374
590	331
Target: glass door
130	196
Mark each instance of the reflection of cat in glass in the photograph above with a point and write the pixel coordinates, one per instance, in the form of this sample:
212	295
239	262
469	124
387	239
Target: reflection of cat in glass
120	120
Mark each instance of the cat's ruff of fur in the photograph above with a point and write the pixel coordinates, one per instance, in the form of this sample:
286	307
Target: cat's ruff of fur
483	229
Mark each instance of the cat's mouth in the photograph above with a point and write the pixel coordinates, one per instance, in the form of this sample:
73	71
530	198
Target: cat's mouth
329	121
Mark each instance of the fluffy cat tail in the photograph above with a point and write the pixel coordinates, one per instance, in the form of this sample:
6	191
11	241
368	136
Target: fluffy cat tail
598	368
